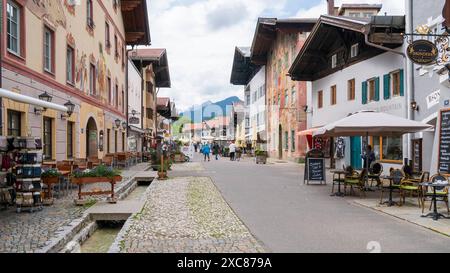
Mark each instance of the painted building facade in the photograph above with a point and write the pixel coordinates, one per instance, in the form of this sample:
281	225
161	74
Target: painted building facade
73	52
275	45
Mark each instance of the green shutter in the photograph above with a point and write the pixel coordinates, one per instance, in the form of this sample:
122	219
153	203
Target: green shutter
377	89
402	83
387	86
364	93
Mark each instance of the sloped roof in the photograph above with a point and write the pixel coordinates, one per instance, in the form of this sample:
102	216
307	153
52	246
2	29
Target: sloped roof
243	69
136	23
266	33
157	57
311	59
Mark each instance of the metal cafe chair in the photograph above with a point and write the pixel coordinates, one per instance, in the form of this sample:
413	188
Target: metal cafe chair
441	193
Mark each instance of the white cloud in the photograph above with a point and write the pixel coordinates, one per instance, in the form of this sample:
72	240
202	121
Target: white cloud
200	37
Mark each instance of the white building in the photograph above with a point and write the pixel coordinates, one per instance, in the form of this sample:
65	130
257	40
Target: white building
253	77
134	108
348	74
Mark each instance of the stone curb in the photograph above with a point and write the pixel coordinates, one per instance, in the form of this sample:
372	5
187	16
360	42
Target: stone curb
115	247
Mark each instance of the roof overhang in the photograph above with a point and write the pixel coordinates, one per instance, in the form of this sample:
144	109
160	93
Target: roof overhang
163	107
266	33
157	57
312	59
136	23
243	69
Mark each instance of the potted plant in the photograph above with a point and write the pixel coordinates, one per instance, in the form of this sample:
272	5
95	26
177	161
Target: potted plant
163	168
50	176
261	157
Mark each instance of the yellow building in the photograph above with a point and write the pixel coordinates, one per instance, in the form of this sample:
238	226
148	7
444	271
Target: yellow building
73	51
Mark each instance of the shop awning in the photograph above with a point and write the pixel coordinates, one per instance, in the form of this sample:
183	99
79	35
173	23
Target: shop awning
308	132
30	100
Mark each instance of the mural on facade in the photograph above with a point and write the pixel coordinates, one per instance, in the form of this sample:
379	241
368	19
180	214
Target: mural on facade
81	70
101	73
69	6
446	15
51	10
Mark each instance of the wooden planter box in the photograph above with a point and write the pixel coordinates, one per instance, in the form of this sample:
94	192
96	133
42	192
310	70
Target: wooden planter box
80	181
180	158
261	159
49	181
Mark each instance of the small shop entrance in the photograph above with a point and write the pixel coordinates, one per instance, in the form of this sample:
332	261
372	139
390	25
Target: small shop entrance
91	139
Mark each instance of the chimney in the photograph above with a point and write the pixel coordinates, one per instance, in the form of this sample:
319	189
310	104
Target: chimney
330	7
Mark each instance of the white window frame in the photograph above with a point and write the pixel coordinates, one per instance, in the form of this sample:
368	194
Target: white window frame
70	65
18	25
48	47
354	51
334	61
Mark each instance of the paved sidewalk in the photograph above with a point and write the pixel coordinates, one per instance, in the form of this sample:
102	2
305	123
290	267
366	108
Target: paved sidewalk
186	214
410	212
29	232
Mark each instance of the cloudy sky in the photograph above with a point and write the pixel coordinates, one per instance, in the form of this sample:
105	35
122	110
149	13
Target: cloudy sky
200	37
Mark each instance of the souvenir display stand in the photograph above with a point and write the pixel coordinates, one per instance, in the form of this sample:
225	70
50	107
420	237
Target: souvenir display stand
22	163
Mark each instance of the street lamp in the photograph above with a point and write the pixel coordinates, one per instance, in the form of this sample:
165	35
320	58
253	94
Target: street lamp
124	125
70	108
117	122
44	97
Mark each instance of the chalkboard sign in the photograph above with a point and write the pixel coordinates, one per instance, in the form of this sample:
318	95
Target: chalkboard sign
417	155
444	142
315	170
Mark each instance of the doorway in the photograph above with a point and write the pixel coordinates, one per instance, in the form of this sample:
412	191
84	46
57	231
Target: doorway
280	142
355	146
91	139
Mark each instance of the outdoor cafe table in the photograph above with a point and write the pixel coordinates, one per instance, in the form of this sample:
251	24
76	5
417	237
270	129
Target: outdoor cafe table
339	180
390	202
435	214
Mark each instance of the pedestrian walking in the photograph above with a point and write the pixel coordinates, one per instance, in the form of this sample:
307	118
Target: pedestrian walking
216	149
206	151
232	151
238	154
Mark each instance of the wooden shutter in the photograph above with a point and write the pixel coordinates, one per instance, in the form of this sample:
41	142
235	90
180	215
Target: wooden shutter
377	89
387	86
364	92
402	83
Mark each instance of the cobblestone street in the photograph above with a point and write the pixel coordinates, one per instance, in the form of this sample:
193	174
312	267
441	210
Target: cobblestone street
187	214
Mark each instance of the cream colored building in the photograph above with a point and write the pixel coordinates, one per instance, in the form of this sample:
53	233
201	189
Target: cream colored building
73	52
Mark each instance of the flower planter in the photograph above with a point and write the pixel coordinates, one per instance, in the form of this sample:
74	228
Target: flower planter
162	175
91	180
261	159
49	181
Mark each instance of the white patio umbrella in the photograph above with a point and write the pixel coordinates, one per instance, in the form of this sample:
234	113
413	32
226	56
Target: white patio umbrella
371	123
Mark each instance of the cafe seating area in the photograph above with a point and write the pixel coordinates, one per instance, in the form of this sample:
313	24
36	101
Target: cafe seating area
402	187
66	168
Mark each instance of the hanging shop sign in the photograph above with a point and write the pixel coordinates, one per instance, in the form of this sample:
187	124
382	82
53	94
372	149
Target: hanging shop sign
422	52
133	120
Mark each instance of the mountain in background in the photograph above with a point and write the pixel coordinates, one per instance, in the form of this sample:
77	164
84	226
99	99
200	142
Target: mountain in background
209	109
